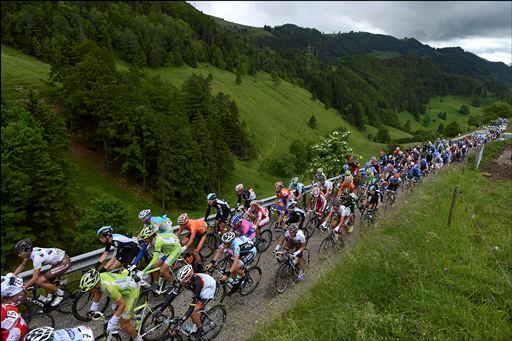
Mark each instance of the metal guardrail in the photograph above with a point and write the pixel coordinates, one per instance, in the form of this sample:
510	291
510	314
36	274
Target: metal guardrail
88	259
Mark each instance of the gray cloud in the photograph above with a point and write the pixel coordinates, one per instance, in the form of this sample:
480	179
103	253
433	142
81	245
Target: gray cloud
427	21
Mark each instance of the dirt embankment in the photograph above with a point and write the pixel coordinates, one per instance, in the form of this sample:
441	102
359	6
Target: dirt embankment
501	167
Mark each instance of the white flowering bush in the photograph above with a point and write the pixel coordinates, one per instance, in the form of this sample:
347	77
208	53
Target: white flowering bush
331	153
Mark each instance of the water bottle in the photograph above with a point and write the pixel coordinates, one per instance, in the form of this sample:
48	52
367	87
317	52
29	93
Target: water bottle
229	283
137	321
186	328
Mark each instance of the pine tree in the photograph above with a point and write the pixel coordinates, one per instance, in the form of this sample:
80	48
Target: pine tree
312	122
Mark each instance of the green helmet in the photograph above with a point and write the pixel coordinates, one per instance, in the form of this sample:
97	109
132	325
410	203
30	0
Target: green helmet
147	232
89	280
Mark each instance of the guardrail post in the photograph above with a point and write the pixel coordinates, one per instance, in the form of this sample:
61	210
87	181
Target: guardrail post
479	157
452	207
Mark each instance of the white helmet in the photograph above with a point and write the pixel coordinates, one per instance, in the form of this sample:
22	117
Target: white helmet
183	219
228	237
239	187
315	192
185	273
39	334
145	214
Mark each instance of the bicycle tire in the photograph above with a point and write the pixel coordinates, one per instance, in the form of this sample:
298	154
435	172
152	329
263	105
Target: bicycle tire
220	292
104	336
216	317
310	227
252	276
326	247
283	277
78	309
25	309
149	320
39	319
264	241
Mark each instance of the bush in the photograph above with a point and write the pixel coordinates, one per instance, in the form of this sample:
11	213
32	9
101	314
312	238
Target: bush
312	122
464	110
383	135
452	129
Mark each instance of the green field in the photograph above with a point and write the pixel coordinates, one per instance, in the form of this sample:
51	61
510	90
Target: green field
414	278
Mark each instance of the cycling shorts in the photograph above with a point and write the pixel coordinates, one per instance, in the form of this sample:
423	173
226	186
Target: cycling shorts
222	218
130	303
392	187
246	259
58	269
265	221
171	258
126	255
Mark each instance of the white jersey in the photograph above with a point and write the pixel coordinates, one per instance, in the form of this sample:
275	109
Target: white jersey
44	256
9	290
300	237
344	211
81	333
327	185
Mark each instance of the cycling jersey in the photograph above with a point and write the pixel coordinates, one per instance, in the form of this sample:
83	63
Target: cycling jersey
44	256
375	197
346	185
120	242
299	188
341	210
13	327
282	197
327	185
198	226
295	216
300	237
14	289
259	214
248	195
222	209
320	203
80	333
121	286
203	287
165	245
247	229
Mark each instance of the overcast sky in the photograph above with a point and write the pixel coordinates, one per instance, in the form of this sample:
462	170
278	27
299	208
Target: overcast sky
481	27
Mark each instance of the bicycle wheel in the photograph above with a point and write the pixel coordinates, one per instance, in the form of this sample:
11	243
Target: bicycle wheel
225	263
326	247
156	328
206	252
283	277
106	337
66	304
307	257
213	320
310	227
264	241
250	281
25	309
82	303
40	319
220	292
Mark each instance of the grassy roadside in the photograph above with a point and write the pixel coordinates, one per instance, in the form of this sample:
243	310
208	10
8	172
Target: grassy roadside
415	278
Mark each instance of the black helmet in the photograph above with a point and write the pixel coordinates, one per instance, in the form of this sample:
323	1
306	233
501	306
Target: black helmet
23	245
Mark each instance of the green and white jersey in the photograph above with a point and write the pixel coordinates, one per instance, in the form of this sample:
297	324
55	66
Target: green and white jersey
118	285
165	245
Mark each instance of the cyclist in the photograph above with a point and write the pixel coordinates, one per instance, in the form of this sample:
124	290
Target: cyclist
319	175
374	198
222	208
126	249
243	253
194	242
13	326
12	290
161	224
122	289
414	172
282	198
320	201
394	182
203	287
57	258
166	250
297	190
326	187
295	215
348	184
353	164
247	194
258	215
341	217
242	226
294	240
80	333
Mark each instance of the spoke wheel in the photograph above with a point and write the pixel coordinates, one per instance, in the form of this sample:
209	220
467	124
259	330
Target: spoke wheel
105	337
213	321
82	303
220	293
37	320
251	280
264	241
155	328
283	277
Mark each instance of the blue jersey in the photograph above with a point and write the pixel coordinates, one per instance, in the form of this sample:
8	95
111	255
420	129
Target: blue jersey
241	246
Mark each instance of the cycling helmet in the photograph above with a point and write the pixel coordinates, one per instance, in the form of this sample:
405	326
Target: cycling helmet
291	205
295	180
23	245
211	196
368	171
185	273
353	196
89	280
320	170
39	334
292	228
147	232
145	215
255	203
345	167
239	187
278	184
315	192
228	237
347	173
104	230
183	219
237	218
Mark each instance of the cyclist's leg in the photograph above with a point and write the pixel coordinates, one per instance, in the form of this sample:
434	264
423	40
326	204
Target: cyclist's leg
200	241
125	321
57	270
169	263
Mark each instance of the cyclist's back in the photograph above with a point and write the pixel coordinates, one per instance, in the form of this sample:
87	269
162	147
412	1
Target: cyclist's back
80	333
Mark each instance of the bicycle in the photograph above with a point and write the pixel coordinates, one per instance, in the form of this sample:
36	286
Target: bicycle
313	223
249	282
63	307
288	269
390	198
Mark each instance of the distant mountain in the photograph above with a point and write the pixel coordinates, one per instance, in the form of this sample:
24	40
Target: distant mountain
330	47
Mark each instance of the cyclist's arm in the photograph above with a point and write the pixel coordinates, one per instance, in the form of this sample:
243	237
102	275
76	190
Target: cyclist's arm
33	280
218	253
207	213
300	249
197	292
142	251
172	295
191	238
236	263
21	267
156	255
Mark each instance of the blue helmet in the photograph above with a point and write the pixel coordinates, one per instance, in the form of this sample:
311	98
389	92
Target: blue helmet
211	196
237	218
104	230
345	167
